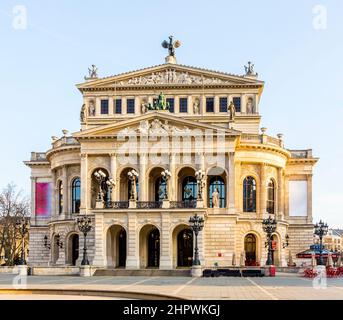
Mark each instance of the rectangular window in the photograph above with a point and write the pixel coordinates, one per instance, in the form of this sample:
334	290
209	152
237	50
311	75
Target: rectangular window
237	102
171	104
104	107
130	106
117	106
183	105
210	104
223	104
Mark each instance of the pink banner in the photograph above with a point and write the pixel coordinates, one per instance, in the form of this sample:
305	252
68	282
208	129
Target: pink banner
43	199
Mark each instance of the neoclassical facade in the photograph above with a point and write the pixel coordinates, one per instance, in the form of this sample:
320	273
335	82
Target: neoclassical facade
155	147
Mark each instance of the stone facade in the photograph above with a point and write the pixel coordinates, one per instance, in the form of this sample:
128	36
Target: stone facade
118	134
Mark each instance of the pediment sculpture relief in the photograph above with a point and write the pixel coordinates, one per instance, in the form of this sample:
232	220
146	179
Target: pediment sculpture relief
171	76
155	128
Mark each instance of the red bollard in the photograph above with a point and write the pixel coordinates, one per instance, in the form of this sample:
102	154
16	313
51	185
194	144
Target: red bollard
272	271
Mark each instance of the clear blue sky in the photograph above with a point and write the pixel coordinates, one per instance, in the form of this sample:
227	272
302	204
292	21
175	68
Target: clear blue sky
302	68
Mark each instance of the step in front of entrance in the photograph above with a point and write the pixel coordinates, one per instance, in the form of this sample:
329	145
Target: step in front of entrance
144	272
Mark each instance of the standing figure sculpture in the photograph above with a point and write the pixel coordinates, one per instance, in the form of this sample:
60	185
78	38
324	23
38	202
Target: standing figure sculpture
196	106
215	198
83	113
232	111
171	45
93	72
91	109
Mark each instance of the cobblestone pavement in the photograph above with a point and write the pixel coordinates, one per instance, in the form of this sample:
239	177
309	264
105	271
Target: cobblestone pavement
267	288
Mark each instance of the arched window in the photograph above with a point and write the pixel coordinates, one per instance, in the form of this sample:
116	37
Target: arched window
76	195
218	183
60	197
249	195
271	197
189	188
160	189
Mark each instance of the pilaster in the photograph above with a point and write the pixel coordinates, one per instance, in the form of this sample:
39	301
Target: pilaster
132	258
166	258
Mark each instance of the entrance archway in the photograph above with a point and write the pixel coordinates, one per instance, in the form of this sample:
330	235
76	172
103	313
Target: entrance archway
116	247
149	247
185	248
250	249
73	249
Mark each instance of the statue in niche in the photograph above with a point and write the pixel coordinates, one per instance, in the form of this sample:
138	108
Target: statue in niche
196	108
250	106
232	111
83	113
144	106
215	198
91	109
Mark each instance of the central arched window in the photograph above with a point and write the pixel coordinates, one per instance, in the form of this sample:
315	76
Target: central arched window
218	183
249	195
271	197
160	189
60	197
76	195
189	188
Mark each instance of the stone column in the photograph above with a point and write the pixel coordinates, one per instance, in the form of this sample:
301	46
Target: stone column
53	212
33	199
263	191
143	178
280	194
189	104
309	198
216	104
84	184
97	106
176	104
65	192
113	174
132	258
166	257
243	105
138	108
231	184
173	187
110	106
100	241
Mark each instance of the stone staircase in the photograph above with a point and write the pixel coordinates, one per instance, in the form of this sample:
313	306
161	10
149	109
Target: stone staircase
143	272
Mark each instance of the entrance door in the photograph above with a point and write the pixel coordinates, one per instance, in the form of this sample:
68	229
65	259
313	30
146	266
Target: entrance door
185	248
74	249
250	250
122	248
154	249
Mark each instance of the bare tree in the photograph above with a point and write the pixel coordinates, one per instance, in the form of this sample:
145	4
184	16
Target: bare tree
13	209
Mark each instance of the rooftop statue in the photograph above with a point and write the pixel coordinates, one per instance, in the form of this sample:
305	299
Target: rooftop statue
249	69
171	45
160	104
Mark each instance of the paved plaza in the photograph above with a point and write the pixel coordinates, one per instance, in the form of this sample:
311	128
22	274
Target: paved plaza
283	286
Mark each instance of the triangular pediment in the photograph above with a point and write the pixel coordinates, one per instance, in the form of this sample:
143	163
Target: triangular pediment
153	123
170	75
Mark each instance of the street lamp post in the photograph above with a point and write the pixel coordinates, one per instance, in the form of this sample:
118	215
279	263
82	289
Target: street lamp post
110	185
269	227
23	228
199	175
85	225
197	224
321	229
166	174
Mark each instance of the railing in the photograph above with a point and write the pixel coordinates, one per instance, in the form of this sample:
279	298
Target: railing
300	154
260	138
183	204
38	156
149	204
250	137
118	205
65	141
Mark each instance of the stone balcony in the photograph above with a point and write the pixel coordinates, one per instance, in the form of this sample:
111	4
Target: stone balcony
64	141
38	156
261	139
301	154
